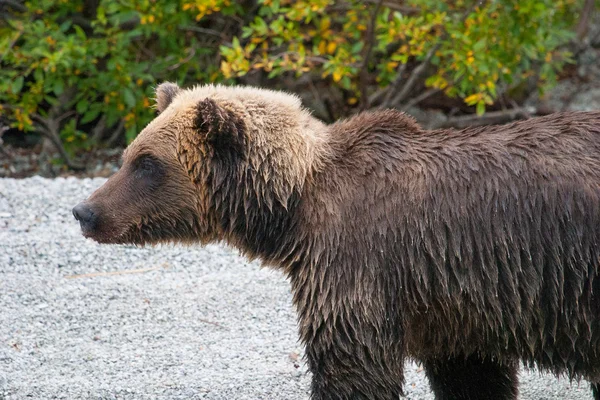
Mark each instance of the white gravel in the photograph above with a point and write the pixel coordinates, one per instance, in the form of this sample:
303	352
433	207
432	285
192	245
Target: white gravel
201	323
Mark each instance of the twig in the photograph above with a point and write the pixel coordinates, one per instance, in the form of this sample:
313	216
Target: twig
389	91
211	322
98	130
370	39
3	128
317	59
112	273
13	4
206	31
414	75
116	134
425	95
66	115
584	19
49	128
188	58
406	10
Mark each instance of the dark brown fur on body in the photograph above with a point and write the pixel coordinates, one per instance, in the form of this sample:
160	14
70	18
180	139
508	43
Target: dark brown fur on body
467	250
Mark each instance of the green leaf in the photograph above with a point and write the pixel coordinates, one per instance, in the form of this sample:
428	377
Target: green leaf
480	45
38	74
480	108
17	85
130	134
82	106
90	115
65	25
101	15
357	47
129	97
58	87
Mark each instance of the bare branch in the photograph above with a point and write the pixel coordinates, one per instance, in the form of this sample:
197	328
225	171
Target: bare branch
66	115
425	95
406	10
584	19
188	58
50	128
98	130
317	59
13	4
387	101
415	75
116	134
363	74
206	31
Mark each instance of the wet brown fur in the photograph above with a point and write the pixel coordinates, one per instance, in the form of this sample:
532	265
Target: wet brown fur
470	251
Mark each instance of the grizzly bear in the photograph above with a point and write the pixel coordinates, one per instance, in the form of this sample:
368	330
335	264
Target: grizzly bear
470	251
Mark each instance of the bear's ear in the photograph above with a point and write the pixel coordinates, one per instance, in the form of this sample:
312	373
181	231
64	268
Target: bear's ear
224	130
165	93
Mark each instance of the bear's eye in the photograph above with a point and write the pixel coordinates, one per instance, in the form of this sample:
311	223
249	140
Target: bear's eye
148	167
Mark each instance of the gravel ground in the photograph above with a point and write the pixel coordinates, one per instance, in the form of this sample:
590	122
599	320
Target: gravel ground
84	321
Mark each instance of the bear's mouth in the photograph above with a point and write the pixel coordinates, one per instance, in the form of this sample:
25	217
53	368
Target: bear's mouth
147	230
150	233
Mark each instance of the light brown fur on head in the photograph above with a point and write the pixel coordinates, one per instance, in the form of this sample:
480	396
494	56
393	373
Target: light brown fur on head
283	140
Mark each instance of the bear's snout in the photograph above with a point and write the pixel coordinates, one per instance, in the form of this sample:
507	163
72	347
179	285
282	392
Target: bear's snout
86	217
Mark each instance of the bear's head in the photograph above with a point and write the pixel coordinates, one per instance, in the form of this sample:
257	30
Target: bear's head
211	156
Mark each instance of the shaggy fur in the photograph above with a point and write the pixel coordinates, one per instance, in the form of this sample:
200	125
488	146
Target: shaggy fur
470	251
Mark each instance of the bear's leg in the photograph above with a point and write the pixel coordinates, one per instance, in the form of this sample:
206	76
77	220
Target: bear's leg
345	377
472	378
596	391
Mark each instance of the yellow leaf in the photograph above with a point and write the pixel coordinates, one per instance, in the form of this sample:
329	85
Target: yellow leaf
226	69
472	99
337	76
331	47
322	47
352	100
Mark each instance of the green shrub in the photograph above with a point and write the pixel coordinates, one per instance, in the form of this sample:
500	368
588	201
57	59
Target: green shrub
82	72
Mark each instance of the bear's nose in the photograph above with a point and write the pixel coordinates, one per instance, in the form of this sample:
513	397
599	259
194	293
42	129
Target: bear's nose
84	214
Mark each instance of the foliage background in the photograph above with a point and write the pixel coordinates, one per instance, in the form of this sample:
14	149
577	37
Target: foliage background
80	74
